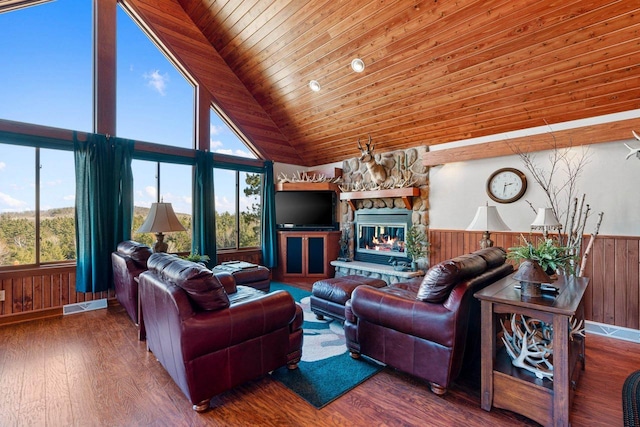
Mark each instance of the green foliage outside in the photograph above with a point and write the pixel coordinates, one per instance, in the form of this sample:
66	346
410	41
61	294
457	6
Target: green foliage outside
57	231
226	229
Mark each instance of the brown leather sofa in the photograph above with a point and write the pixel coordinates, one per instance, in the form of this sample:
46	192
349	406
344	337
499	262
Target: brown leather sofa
212	335
128	261
428	327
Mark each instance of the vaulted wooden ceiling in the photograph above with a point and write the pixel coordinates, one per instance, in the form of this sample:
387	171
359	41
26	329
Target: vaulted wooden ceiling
436	71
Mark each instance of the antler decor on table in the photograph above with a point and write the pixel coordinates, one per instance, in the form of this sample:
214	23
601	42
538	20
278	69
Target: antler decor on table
529	343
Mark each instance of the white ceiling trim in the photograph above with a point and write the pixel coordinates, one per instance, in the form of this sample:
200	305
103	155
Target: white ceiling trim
608	118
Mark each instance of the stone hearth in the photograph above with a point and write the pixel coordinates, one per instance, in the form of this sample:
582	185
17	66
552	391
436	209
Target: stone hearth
376	271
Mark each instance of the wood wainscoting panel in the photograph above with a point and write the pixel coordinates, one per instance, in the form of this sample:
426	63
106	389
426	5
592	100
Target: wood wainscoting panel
613	295
41	292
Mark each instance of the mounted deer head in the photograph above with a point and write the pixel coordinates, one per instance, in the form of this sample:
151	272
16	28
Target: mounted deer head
376	170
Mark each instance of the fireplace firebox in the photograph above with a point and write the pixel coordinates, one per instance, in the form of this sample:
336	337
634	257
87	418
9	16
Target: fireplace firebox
380	235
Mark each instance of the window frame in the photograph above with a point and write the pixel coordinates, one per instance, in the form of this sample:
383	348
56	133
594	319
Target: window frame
238	214
37	228
249	166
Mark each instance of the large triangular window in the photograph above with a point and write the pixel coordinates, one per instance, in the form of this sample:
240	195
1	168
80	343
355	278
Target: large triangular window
155	103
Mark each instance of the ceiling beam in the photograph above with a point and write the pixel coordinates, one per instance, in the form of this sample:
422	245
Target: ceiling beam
606	132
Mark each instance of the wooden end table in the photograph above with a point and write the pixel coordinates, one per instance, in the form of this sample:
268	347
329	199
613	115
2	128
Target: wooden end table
508	387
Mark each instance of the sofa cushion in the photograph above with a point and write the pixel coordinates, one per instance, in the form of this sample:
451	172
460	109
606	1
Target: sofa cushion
494	256
441	278
203	288
138	252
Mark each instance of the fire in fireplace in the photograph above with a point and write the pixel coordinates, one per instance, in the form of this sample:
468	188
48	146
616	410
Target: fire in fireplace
381	238
380	234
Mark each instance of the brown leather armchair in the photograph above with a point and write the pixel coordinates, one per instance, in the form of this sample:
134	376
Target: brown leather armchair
429	328
128	261
212	335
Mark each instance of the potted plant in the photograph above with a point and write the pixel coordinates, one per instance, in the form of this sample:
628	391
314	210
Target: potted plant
416	245
551	256
196	257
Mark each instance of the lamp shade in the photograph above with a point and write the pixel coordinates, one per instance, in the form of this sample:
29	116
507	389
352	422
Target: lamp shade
487	219
161	219
545	219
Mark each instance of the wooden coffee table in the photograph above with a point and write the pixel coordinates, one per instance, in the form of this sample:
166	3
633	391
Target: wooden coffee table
508	387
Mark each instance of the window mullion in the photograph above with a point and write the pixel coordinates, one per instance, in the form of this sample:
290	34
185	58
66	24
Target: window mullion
237	209
38	165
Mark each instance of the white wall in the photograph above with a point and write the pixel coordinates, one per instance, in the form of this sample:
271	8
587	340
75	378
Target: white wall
610	182
287	169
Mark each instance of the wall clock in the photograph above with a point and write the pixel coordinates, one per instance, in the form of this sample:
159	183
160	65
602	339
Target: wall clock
506	185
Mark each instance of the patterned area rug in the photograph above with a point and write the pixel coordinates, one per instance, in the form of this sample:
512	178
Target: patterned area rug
326	371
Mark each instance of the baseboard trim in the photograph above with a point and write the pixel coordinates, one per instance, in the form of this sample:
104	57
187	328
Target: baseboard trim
612	331
31	315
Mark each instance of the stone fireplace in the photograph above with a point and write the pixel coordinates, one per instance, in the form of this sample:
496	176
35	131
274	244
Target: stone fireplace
383	219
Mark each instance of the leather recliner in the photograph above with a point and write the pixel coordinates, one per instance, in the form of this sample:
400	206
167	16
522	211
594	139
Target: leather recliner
128	261
212	335
430	327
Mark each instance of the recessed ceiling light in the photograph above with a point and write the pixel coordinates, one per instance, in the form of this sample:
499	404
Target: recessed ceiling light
357	65
314	85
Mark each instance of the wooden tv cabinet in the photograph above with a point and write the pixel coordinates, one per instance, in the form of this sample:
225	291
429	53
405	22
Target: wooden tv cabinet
307	254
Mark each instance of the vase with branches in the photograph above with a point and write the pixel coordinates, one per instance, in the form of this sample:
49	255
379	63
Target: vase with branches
559	184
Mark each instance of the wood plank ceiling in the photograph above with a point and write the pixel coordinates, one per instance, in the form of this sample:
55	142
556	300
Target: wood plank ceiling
436	71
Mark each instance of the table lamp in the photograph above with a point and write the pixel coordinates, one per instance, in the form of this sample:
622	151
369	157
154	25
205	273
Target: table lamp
546	220
161	219
487	219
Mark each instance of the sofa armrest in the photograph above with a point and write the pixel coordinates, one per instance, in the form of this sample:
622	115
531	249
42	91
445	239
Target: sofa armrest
430	321
348	313
227	280
208	331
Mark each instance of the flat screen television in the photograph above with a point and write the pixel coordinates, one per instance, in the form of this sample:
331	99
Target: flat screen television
306	210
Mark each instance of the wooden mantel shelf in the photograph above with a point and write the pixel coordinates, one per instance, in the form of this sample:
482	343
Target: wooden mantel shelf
405	193
307	186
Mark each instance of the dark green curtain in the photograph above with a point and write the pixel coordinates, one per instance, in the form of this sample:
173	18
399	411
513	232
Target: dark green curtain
269	238
123	183
204	208
104	206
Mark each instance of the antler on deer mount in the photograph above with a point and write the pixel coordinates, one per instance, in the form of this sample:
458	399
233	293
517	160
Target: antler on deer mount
376	170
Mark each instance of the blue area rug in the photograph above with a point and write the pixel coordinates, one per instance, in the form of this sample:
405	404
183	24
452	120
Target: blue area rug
326	371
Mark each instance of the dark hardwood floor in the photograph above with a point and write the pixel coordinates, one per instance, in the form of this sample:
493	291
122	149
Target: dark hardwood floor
89	369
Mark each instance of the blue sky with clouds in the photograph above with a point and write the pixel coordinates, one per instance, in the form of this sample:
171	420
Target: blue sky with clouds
46	78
